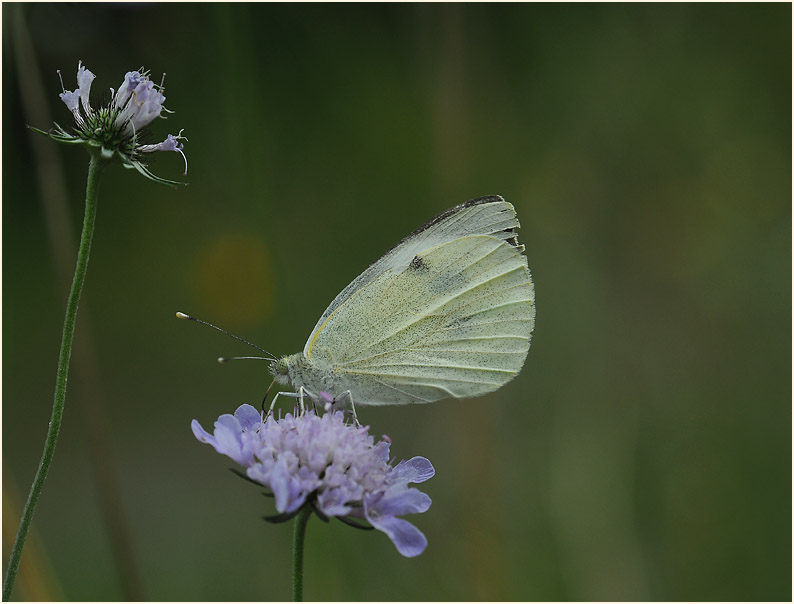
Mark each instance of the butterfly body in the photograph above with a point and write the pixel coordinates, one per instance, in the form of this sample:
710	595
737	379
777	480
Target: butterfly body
448	312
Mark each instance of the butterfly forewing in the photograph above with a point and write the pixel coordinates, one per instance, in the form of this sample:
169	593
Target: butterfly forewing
456	321
490	215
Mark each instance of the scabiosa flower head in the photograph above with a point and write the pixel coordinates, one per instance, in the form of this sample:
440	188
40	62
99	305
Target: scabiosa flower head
117	130
328	464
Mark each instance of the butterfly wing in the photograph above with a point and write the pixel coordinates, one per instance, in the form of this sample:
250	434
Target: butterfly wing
448	312
490	215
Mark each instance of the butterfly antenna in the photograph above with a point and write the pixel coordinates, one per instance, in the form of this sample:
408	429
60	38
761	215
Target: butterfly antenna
227	359
181	315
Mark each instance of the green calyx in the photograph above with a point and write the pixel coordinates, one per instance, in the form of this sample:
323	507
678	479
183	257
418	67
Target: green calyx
102	138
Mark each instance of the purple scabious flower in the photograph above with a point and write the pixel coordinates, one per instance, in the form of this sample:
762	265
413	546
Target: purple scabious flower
333	466
117	130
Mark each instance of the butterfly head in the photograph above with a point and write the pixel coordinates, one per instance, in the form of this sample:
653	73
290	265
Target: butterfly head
280	370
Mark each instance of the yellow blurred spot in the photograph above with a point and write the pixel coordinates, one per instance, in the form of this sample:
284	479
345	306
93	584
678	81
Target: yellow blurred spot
233	279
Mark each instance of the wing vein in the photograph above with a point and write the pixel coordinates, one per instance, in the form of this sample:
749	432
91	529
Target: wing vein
433	366
431	312
436	273
408	394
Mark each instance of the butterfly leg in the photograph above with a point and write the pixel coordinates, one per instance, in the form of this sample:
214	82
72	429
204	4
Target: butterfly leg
349	395
301	394
296	395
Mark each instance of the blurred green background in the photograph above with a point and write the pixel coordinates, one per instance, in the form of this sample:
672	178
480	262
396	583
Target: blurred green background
645	450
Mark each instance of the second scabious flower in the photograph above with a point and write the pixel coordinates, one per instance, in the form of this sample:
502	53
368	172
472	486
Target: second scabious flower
118	130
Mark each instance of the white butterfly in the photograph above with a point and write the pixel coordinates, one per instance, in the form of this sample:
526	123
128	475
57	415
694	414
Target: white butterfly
447	312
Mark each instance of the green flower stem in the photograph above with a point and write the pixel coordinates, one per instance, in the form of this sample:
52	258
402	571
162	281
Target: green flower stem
95	167
297	553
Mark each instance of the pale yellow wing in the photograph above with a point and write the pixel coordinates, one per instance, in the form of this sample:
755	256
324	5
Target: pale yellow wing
455	321
490	215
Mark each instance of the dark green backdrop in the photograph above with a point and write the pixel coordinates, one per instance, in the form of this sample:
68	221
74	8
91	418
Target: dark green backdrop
645	450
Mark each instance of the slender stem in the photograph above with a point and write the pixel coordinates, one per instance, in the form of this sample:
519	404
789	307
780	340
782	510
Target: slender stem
95	168
299	537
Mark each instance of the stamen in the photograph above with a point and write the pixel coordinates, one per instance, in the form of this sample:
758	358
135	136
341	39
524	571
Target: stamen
185	158
162	83
58	71
179	137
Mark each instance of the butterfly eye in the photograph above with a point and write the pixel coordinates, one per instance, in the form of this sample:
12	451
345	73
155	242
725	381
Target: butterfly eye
281	367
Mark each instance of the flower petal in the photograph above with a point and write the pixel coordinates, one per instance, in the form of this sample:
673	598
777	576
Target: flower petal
74	98
400	500
131	81
228	434
84	79
285	488
203	435
417	469
408	539
70	99
331	502
247	415
171	143
229	421
138	101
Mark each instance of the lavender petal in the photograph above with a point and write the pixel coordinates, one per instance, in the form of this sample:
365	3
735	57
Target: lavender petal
408	539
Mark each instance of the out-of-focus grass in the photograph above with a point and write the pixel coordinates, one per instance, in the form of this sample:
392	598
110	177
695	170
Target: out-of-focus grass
644	451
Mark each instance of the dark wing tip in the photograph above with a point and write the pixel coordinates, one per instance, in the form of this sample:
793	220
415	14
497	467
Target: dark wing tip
484	199
454	210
